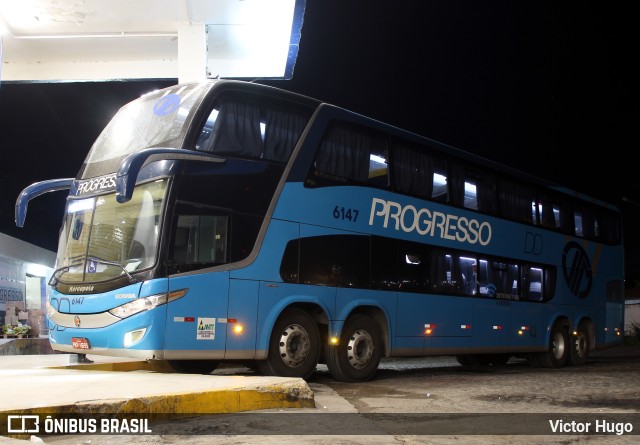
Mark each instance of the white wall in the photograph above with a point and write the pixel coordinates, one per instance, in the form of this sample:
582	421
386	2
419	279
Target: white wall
17	259
631	314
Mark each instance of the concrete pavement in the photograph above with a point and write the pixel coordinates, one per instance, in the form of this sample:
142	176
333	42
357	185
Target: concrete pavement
53	384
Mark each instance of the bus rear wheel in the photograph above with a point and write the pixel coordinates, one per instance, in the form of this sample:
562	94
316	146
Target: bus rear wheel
294	347
556	356
579	346
356	357
193	366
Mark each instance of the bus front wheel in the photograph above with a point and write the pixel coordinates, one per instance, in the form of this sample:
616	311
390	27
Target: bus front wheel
294	347
356	357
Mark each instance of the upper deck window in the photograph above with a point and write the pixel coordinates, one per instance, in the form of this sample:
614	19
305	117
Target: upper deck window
348	154
419	172
249	127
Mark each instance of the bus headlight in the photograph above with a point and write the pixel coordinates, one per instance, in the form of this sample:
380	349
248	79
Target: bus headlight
50	310
139	305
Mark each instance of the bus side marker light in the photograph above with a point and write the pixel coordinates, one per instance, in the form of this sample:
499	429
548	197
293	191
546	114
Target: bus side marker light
465	326
333	340
237	327
497	327
428	328
174	295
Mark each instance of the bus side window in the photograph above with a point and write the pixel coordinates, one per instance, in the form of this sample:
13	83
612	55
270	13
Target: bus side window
531	283
473	189
180	244
486	288
384	264
610	222
335	260
283	128
378	167
440	181
289	267
413	267
517	202
255	129
446	273
235	129
547	213
200	239
419	172
469	268
349	153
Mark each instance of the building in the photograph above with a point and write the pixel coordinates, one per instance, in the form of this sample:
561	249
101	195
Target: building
25	270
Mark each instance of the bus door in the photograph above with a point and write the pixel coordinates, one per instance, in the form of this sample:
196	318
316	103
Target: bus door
198	307
448	311
197	318
493	301
529	314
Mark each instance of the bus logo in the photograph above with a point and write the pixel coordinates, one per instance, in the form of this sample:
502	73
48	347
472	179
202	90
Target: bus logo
577	269
430	223
166	105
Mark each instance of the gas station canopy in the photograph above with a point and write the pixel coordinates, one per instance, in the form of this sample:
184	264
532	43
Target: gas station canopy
97	40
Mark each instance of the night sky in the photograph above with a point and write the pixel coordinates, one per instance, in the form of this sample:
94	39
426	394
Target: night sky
550	88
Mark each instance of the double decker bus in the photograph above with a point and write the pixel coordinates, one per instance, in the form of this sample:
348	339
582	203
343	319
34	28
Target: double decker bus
231	221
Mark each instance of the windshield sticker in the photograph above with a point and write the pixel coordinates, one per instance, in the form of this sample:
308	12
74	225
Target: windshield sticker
166	105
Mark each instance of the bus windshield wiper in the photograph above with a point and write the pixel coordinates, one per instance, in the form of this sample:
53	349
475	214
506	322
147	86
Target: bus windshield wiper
54	276
116	264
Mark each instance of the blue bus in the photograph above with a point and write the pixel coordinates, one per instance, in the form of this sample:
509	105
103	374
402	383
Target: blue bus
232	221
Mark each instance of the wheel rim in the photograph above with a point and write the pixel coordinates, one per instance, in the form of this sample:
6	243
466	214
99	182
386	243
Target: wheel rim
360	349
558	345
581	345
294	345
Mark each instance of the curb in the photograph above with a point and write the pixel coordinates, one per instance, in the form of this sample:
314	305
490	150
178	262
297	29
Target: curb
294	394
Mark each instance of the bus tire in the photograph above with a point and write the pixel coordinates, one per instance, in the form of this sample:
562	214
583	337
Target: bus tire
193	366
294	347
466	360
556	356
356	357
579	346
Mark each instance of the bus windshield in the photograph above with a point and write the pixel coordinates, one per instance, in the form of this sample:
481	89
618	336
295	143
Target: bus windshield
103	240
155	119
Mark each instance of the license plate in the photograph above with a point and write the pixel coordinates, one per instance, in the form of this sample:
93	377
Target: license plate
80	343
